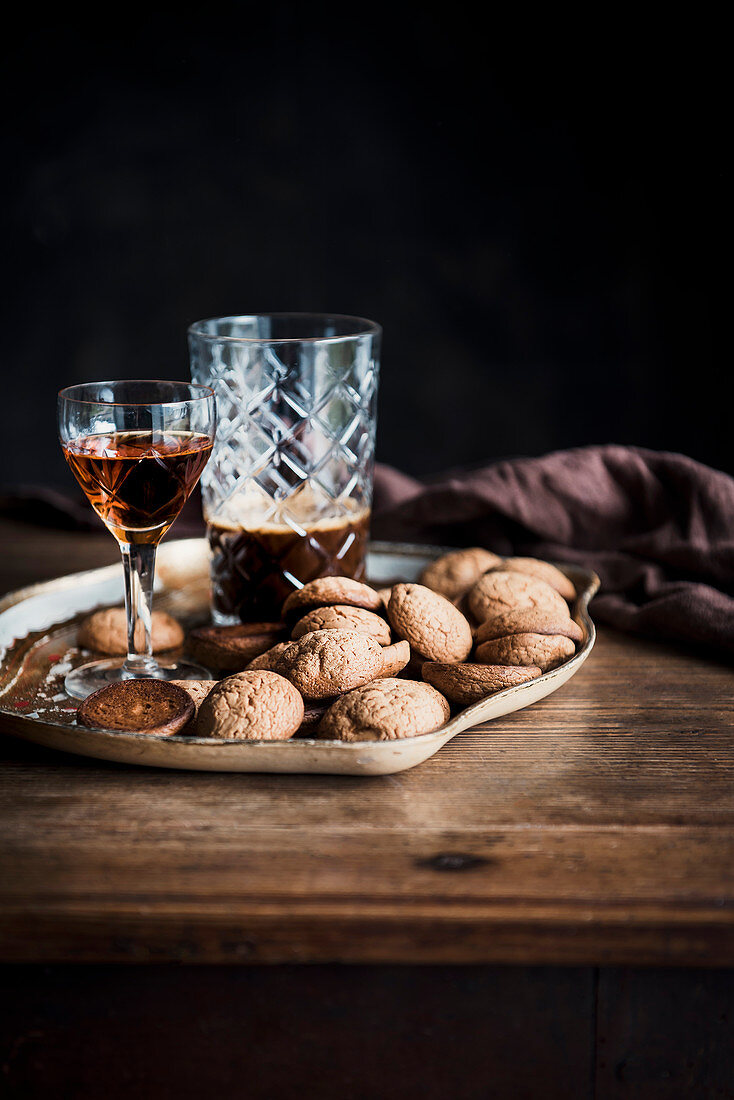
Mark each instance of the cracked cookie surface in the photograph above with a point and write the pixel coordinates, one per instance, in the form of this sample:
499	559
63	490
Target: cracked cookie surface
528	620
501	591
251	706
385	710
329	662
327	591
547	651
454	573
544	571
465	684
431	624
343	617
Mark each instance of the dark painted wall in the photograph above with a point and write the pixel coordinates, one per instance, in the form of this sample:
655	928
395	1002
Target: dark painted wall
533	214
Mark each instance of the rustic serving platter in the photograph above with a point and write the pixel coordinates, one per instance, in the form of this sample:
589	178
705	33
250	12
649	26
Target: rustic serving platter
38	628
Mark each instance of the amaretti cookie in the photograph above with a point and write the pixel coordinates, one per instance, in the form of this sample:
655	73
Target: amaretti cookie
454	573
106	632
330	662
544	571
503	590
464	684
529	636
544	650
385	710
528	620
431	624
328	591
251	706
343	617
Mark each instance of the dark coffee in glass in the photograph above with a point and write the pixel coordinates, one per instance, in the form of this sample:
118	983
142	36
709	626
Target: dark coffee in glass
288	492
253	571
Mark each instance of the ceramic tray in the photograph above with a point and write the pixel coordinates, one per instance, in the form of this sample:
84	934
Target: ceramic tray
37	649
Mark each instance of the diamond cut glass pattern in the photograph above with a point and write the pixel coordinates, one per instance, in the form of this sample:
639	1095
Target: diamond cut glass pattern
296	398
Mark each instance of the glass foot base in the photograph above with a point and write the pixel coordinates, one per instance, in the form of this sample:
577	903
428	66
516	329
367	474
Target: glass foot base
98	674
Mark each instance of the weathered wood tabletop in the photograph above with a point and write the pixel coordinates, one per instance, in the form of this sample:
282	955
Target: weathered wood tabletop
596	827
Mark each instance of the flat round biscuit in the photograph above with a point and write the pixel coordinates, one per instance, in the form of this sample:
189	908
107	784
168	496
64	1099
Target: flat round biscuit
251	706
528	620
385	710
544	571
343	617
329	662
454	573
465	684
156	707
231	648
431	624
106	632
544	650
327	591
502	590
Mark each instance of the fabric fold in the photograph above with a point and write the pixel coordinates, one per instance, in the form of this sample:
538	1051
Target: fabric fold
657	527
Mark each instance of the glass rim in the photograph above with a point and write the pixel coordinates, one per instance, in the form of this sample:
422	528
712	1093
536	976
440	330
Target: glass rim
363	326
66	394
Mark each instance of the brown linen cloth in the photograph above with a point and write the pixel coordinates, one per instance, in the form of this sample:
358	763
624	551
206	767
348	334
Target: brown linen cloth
658	528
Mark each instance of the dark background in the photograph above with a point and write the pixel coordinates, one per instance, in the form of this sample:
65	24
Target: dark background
533	213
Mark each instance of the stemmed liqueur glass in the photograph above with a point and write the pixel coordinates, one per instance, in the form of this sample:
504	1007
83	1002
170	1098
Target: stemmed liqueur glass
137	448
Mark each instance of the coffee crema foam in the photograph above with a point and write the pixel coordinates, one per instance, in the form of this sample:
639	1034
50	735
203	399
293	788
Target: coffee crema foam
301	513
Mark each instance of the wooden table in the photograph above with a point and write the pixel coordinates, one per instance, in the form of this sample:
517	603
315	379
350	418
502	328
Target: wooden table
588	841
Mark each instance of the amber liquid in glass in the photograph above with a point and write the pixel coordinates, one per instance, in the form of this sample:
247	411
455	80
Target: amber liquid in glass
137	482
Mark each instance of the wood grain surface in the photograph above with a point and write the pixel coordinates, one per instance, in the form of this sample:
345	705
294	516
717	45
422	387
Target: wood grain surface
595	827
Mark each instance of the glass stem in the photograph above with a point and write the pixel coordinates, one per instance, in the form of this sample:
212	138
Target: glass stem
138	564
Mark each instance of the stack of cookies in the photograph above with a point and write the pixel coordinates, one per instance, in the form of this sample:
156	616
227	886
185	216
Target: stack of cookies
520	620
349	663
